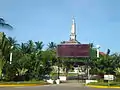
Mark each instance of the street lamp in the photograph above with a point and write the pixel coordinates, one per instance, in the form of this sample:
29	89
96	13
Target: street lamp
98	47
11	55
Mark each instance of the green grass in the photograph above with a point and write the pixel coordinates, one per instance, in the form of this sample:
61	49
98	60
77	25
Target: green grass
105	83
63	74
72	74
24	82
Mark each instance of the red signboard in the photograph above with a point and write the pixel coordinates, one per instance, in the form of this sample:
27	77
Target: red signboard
73	50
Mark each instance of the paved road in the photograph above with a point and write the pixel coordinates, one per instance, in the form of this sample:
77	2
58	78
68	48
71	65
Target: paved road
72	86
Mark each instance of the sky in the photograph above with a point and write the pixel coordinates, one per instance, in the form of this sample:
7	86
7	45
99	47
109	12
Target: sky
97	21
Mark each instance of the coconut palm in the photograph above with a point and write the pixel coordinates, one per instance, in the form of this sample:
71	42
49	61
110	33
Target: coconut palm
13	41
38	46
3	24
24	48
4	52
22	71
4	45
51	46
31	46
117	71
4	42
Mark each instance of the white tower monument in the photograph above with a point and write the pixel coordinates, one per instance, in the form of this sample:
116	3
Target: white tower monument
73	30
72	39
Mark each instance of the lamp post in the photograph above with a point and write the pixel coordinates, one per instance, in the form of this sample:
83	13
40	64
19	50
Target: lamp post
11	55
58	68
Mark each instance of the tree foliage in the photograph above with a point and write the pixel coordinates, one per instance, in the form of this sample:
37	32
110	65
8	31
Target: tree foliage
30	61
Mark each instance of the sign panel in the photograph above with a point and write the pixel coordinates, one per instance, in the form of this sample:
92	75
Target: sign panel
73	50
108	77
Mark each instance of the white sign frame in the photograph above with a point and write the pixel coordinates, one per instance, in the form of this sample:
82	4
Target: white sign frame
108	77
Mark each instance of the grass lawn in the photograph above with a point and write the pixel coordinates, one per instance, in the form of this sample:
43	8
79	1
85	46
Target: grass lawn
63	74
72	74
105	83
24	82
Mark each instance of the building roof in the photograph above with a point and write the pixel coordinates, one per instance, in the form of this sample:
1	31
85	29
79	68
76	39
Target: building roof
102	53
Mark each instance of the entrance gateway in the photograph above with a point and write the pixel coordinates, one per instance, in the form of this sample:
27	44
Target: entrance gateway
72	51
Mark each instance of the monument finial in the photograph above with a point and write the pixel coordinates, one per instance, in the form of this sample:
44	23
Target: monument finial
73	19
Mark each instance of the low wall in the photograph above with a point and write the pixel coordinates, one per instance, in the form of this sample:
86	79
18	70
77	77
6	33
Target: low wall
88	81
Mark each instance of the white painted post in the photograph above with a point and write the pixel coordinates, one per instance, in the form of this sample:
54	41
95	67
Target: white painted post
98	47
97	53
10	58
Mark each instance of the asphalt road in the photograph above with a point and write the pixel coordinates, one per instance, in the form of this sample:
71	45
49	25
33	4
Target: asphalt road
71	86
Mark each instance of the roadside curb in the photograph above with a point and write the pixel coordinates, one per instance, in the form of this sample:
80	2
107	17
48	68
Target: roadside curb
21	85
95	86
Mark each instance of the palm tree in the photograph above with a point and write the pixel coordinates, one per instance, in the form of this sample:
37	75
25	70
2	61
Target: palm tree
38	46
12	41
52	46
4	42
3	24
24	48
4	52
31	46
4	45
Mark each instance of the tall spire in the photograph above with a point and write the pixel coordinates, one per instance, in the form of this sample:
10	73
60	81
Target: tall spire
73	30
73	20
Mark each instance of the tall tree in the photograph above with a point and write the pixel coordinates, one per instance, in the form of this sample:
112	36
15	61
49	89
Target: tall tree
13	41
4	45
39	45
51	46
31	46
4	52
3	24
